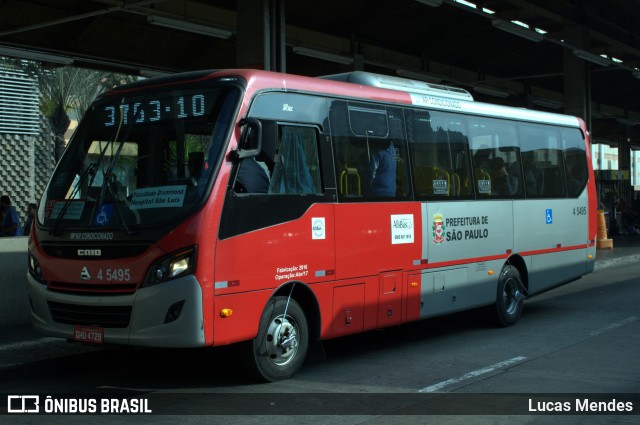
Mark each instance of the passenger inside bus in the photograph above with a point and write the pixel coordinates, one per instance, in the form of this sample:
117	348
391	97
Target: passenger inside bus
481	159
382	168
533	176
251	178
502	182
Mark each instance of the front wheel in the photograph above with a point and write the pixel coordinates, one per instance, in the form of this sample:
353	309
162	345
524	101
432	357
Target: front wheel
509	297
282	343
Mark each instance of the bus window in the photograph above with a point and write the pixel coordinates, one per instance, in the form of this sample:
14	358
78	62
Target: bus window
496	158
369	146
296	168
440	155
575	156
542	161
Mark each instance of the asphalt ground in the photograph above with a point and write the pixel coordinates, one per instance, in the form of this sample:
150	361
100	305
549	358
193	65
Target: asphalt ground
21	345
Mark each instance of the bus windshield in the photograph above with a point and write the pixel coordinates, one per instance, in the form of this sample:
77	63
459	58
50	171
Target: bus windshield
143	159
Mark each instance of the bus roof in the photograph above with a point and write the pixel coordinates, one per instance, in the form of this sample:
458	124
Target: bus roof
362	86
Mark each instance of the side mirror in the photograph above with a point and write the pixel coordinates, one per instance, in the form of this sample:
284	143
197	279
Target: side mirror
251	138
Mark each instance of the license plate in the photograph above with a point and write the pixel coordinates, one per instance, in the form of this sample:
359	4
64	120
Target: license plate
92	334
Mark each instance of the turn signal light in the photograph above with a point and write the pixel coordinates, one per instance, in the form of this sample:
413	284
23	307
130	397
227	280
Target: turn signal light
491	272
226	312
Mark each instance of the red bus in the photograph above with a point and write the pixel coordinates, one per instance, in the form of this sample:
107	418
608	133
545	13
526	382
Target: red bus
242	206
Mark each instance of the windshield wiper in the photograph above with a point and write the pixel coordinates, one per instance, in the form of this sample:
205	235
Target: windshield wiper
91	170
108	173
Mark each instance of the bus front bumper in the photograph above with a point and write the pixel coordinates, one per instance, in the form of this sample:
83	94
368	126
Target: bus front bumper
164	315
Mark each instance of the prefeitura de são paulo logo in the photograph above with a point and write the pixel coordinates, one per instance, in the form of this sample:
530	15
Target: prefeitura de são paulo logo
438	228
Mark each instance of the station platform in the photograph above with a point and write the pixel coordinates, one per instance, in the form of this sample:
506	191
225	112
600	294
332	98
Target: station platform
626	249
22	348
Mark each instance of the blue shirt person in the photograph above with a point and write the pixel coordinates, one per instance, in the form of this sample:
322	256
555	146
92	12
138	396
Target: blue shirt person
10	219
383	172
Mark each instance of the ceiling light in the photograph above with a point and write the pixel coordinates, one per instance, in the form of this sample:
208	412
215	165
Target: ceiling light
188	27
591	57
466	3
321	54
432	3
491	91
518	30
35	56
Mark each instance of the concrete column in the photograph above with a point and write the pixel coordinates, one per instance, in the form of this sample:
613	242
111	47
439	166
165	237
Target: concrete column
261	35
577	84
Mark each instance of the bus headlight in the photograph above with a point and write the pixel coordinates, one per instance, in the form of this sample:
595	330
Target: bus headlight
34	269
178	264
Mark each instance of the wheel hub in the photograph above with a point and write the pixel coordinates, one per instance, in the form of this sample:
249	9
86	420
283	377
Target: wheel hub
282	340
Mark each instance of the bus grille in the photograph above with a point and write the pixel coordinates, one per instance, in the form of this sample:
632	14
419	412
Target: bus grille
93	288
106	252
89	315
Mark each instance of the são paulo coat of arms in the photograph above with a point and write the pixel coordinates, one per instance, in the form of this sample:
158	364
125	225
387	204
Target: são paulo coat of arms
438	228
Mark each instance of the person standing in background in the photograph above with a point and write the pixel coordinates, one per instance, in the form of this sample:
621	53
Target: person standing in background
10	225
31	212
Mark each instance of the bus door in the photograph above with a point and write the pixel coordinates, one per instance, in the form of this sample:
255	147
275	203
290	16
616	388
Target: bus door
277	221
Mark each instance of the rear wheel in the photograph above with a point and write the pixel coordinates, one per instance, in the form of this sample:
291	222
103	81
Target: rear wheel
282	343
509	297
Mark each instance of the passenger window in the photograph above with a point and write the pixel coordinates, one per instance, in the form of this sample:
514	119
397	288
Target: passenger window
288	164
369	149
542	161
439	155
296	168
497	171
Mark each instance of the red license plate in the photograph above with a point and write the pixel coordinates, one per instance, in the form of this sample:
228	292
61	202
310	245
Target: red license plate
92	334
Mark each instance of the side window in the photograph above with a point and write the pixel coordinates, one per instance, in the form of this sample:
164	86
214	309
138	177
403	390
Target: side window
542	161
497	171
296	168
575	155
289	163
369	148
439	155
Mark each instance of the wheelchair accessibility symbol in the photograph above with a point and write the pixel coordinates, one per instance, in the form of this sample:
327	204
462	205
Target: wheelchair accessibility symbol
103	216
549	217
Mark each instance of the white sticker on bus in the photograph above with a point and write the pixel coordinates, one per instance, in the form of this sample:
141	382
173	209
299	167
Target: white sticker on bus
402	228
158	197
73	210
318	229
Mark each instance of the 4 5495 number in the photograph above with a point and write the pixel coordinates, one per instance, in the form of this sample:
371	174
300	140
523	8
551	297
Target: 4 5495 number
579	210
114	275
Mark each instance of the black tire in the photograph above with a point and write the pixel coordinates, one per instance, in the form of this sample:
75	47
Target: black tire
281	346
509	297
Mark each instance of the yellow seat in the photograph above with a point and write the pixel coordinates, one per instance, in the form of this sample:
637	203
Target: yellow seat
432	180
455	184
350	174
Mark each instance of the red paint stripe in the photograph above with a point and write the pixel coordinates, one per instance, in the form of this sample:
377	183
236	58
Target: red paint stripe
506	255
552	250
467	261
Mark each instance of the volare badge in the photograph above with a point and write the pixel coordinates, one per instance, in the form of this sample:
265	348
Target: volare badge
84	274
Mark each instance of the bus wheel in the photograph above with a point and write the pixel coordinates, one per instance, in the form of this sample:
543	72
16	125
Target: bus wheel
282	343
510	297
